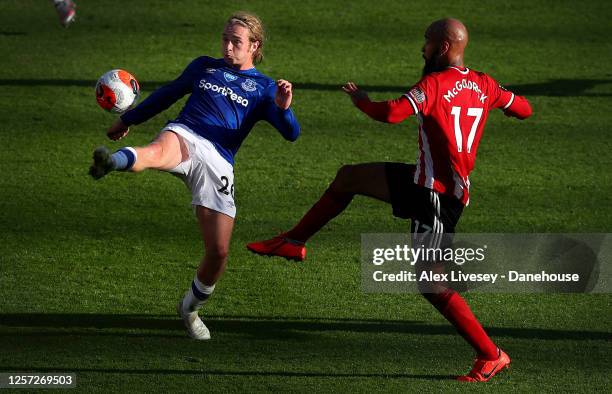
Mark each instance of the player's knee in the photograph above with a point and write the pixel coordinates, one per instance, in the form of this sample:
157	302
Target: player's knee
344	179
154	152
217	252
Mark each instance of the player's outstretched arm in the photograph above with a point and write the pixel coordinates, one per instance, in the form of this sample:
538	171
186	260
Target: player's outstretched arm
512	104
391	111
284	94
357	95
277	111
518	108
158	101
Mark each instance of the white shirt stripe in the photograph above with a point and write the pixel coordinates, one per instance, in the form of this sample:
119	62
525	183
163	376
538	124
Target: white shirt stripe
458	192
436	222
440	224
429	170
510	102
417	171
411	101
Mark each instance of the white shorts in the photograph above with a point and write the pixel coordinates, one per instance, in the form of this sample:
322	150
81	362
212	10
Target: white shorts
209	177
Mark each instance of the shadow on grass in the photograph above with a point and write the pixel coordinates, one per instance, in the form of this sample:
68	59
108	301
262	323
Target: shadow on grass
263	327
289	374
245	346
7	33
110	336
553	87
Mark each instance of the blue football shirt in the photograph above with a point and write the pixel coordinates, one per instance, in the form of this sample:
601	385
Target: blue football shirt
224	105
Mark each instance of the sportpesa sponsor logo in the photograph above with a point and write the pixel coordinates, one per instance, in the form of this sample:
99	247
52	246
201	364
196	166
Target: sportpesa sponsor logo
225	91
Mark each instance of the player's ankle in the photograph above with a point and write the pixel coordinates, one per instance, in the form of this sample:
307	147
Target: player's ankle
124	159
490	356
293	237
197	295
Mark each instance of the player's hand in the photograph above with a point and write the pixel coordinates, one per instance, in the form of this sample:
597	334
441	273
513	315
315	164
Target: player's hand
354	92
118	130
283	94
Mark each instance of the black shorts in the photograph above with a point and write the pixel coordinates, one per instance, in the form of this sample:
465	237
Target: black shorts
430	211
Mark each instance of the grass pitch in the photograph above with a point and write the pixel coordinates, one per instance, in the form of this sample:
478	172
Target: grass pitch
90	271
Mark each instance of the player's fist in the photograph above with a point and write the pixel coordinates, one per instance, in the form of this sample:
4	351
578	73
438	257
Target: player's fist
118	130
354	92
284	94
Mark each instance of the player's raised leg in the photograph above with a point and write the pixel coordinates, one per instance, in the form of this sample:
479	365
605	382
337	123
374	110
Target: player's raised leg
165	153
216	229
368	179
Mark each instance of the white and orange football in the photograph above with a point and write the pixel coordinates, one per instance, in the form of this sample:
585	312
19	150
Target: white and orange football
117	91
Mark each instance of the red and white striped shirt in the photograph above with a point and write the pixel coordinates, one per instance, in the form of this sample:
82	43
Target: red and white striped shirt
452	107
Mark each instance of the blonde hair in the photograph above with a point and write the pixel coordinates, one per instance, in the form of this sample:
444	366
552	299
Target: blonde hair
256	31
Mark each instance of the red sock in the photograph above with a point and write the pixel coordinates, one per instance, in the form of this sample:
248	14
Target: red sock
458	313
329	206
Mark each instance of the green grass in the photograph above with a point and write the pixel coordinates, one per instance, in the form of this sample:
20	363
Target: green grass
90	271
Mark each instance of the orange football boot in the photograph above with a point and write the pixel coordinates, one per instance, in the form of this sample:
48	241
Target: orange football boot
484	370
279	246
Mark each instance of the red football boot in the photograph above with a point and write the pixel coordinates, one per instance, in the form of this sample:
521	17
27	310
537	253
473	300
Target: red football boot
484	370
279	246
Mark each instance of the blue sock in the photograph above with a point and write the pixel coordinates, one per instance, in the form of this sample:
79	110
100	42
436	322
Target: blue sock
124	159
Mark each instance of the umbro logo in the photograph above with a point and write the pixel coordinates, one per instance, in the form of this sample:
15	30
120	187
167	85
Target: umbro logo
229	77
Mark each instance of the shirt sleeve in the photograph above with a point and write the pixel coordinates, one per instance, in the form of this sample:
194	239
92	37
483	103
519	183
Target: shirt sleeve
512	104
499	97
391	111
422	95
519	108
283	120
165	96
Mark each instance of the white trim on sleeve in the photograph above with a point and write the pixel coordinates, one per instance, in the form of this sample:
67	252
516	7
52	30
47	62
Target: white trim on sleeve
414	107
509	102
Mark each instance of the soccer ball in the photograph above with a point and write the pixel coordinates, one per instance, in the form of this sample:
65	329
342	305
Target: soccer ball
117	91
